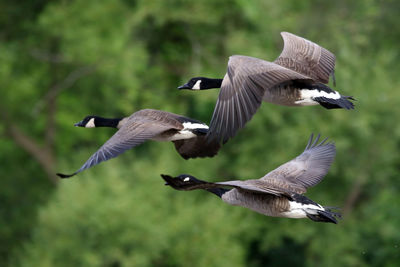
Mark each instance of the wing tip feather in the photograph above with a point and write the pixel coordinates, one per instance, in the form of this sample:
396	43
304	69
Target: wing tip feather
314	143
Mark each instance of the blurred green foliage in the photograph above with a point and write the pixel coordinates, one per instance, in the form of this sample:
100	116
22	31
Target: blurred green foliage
63	60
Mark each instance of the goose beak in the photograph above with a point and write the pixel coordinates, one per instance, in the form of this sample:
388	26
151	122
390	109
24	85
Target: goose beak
79	124
166	178
185	86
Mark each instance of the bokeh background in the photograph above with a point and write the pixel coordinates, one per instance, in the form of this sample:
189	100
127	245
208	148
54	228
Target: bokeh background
63	60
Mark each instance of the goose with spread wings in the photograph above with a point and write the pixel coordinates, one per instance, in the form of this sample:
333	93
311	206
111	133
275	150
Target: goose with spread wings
298	77
188	135
280	192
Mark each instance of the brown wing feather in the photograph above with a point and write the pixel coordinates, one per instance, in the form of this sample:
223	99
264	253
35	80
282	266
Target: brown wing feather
306	57
129	136
258	186
306	170
159	117
241	93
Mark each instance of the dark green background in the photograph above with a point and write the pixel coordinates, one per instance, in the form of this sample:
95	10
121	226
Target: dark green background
63	60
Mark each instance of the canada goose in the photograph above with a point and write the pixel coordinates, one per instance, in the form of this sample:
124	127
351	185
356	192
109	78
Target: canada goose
187	134
278	193
295	78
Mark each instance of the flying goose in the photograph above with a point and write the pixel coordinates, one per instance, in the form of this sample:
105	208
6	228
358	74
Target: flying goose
296	78
280	192
187	134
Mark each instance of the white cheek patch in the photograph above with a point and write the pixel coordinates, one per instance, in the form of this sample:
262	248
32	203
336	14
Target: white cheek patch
196	86
90	123
186	179
189	125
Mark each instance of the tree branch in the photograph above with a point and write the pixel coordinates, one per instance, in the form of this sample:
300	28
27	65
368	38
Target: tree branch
354	195
47	56
43	156
56	89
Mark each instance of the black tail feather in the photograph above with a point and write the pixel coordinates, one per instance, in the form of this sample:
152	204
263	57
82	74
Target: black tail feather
342	102
196	147
200	131
65	175
327	215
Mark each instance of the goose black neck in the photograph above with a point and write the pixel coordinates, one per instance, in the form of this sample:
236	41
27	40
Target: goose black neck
208	83
218	191
104	122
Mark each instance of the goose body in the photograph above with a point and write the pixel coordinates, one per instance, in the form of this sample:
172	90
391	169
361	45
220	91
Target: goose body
296	78
271	205
187	134
280	192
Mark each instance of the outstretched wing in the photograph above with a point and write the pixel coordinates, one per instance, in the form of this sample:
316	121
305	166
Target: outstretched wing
306	170
307	58
241	93
127	137
258	186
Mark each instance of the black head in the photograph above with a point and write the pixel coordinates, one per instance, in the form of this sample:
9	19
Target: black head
87	122
182	182
193	84
96	121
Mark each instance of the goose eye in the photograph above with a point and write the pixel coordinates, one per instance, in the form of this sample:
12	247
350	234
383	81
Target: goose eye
186	179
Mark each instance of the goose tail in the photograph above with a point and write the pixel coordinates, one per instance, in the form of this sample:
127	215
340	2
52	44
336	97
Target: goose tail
327	215
197	147
331	103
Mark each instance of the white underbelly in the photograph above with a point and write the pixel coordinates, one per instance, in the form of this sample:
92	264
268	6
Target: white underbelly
306	102
298	210
183	134
294	214
307	96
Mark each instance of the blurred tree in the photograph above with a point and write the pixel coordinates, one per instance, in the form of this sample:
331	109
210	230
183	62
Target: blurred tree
63	60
